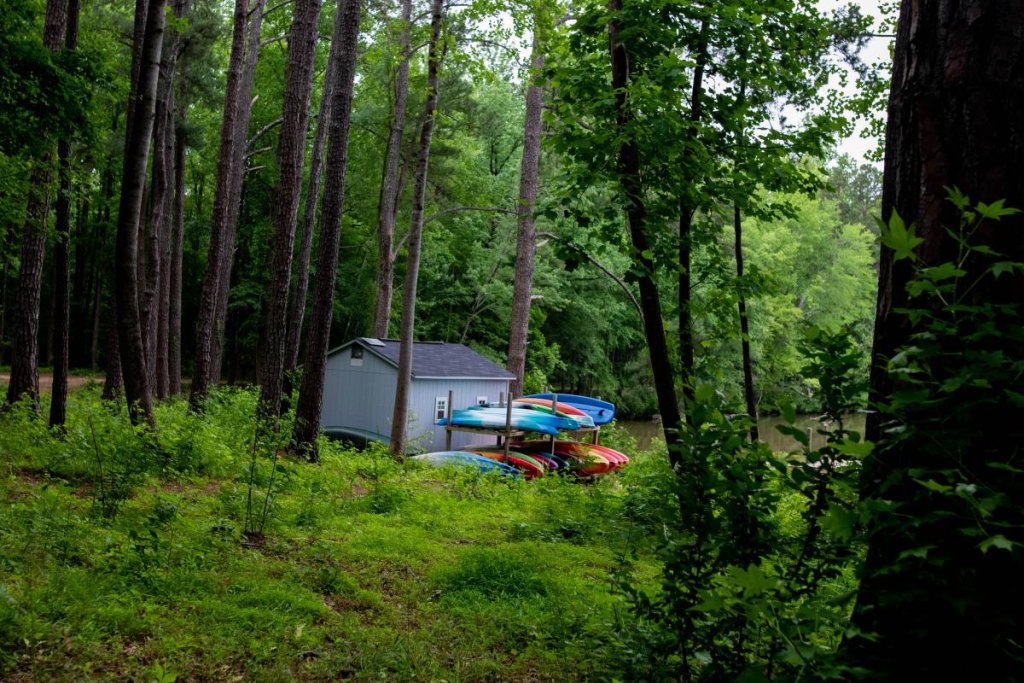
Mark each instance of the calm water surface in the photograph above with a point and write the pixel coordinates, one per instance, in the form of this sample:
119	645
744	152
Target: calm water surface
645	430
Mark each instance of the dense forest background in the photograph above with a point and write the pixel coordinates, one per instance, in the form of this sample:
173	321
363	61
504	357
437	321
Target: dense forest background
809	253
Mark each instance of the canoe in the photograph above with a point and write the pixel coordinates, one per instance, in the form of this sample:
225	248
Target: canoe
602	412
564	410
520	420
528	466
466	459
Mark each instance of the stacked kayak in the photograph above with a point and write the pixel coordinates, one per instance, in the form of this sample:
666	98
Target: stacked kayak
602	412
537	458
543	405
465	458
519	419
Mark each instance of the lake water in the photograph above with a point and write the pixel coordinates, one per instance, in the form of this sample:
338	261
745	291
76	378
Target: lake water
645	430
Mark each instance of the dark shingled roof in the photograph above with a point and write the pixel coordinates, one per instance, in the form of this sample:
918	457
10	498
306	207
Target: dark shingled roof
434	359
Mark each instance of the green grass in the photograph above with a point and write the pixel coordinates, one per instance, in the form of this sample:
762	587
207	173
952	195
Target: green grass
124	557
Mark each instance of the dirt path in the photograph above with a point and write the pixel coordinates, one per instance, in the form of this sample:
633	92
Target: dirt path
46	380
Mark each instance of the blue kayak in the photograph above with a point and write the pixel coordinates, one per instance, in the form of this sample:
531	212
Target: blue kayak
603	412
462	459
519	420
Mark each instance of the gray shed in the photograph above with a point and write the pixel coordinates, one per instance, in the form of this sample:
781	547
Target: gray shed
359	389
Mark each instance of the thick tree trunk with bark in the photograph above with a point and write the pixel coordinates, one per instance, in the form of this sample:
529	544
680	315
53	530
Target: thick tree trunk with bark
954	120
245	99
25	338
221	247
133	178
526	237
297	307
62	257
399	417
650	302
389	188
291	154
311	391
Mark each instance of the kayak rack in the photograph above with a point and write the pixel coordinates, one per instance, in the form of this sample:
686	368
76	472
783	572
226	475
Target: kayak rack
505	435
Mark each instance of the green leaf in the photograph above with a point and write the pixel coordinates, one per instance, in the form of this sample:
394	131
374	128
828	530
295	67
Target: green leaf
855	449
899	238
957	198
704	392
921	552
753	581
799	434
839	522
933	485
998	541
995	210
942	272
1003	267
788	411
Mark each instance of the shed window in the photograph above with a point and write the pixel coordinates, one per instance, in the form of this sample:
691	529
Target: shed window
481	400
440	407
356	354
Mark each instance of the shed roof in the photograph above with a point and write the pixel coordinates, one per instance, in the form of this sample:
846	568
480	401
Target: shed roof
433	360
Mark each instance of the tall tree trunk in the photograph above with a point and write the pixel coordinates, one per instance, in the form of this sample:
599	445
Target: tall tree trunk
113	384
155	261
636	215
237	183
399	417
297	308
25	338
291	153
311	390
133	178
176	263
97	308
389	187
62	256
954	120
526	237
748	368
221	246
687	209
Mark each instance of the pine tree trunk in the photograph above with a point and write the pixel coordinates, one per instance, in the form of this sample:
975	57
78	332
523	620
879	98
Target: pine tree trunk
130	331
291	153
311	391
237	183
297	307
399	417
389	188
636	215
526	237
221	239
25	338
62	257
954	120
176	263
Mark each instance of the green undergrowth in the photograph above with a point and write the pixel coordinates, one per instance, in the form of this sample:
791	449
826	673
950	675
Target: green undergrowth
123	556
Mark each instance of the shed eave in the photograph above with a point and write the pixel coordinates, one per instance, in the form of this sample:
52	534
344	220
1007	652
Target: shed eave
459	377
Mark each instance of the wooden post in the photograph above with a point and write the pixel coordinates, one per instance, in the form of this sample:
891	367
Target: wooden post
448	427
508	428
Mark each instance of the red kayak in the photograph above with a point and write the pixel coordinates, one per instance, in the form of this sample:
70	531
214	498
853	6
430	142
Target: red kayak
580	451
529	466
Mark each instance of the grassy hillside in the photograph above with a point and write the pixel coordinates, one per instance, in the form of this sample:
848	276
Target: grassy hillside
124	557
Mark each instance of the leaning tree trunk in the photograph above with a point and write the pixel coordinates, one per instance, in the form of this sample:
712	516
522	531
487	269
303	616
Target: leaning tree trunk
291	153
399	417
62	257
220	246
311	391
297	308
636	216
133	178
389	187
945	481
526	237
25	338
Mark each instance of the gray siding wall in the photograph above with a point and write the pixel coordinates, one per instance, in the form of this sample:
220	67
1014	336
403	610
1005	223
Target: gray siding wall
362	396
359	396
423	433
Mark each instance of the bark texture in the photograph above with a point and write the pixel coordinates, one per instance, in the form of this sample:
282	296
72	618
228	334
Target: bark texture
311	391
291	155
25	337
526	235
133	179
954	120
406	336
389	188
220	246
